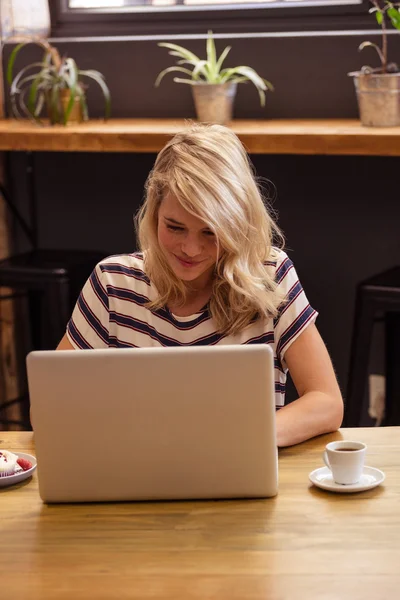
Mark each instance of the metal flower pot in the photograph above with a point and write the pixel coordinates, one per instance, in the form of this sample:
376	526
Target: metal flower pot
378	98
214	102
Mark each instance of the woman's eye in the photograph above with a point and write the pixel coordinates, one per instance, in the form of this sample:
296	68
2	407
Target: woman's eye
209	233
174	228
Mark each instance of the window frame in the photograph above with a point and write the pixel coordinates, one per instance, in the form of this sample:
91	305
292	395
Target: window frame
310	16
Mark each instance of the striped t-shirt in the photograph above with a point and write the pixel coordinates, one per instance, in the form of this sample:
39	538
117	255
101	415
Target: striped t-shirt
111	312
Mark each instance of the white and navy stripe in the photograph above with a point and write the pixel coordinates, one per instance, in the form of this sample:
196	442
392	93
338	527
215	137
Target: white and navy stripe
111	312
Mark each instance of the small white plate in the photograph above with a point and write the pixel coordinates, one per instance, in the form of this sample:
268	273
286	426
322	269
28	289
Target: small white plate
370	478
12	479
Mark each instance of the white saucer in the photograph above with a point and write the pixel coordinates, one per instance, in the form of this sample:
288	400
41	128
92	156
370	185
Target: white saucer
370	478
21	475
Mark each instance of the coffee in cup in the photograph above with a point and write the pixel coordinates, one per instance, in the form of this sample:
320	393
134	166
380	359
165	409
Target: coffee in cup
346	461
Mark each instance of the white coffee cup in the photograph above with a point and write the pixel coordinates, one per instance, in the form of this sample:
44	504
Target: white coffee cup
346	461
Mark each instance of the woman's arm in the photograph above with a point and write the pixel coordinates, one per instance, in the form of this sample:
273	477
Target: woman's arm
65	344
319	408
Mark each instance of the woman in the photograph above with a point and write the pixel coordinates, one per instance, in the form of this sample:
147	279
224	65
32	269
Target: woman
208	273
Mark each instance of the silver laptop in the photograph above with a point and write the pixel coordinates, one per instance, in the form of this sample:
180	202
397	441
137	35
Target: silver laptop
154	423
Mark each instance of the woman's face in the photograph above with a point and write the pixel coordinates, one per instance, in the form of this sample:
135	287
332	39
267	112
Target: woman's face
187	243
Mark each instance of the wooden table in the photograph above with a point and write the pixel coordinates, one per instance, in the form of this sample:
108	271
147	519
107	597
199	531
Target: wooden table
304	544
284	136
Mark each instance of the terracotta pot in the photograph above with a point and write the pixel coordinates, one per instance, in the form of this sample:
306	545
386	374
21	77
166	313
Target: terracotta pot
56	115
214	102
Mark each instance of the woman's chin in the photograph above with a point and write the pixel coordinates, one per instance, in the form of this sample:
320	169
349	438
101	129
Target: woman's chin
184	276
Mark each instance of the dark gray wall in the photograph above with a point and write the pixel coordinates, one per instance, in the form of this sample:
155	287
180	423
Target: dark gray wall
309	74
340	214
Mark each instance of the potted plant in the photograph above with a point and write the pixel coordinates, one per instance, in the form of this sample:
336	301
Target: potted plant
213	87
54	84
378	89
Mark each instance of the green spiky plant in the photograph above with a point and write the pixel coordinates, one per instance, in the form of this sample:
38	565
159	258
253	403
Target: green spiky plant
31	93
210	71
382	10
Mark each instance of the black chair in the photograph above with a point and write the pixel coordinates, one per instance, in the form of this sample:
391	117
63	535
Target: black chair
376	298
51	280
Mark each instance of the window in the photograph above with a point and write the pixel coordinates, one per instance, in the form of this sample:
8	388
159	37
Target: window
167	17
110	4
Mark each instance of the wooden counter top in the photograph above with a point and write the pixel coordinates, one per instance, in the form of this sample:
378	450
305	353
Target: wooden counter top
317	136
304	544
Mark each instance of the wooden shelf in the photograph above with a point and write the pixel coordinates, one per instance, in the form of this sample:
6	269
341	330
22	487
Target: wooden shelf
318	136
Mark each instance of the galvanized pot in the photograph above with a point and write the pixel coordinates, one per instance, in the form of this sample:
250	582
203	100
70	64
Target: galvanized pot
214	102
378	98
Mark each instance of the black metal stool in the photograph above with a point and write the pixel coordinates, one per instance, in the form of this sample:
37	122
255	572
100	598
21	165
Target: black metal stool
378	294
52	280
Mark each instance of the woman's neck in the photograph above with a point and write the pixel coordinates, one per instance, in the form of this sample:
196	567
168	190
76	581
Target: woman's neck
196	299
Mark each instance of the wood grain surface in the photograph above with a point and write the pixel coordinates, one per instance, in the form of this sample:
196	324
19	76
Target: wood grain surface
286	136
303	544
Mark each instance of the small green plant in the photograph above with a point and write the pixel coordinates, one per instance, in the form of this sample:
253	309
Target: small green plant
210	71
383	9
55	77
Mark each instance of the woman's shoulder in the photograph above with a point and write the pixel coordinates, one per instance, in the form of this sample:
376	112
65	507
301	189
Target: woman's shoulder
276	259
128	265
133	259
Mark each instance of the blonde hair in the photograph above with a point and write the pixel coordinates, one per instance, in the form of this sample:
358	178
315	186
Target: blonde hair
208	171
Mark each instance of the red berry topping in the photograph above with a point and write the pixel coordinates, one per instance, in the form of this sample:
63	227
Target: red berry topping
24	464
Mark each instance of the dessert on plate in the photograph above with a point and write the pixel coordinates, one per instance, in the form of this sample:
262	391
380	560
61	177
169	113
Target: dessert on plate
11	464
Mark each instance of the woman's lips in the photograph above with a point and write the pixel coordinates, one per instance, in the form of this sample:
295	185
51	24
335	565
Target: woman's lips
187	263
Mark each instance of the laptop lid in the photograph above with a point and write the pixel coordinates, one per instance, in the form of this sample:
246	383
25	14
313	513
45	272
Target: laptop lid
154	423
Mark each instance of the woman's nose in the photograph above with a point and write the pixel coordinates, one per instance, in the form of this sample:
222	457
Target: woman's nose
191	246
